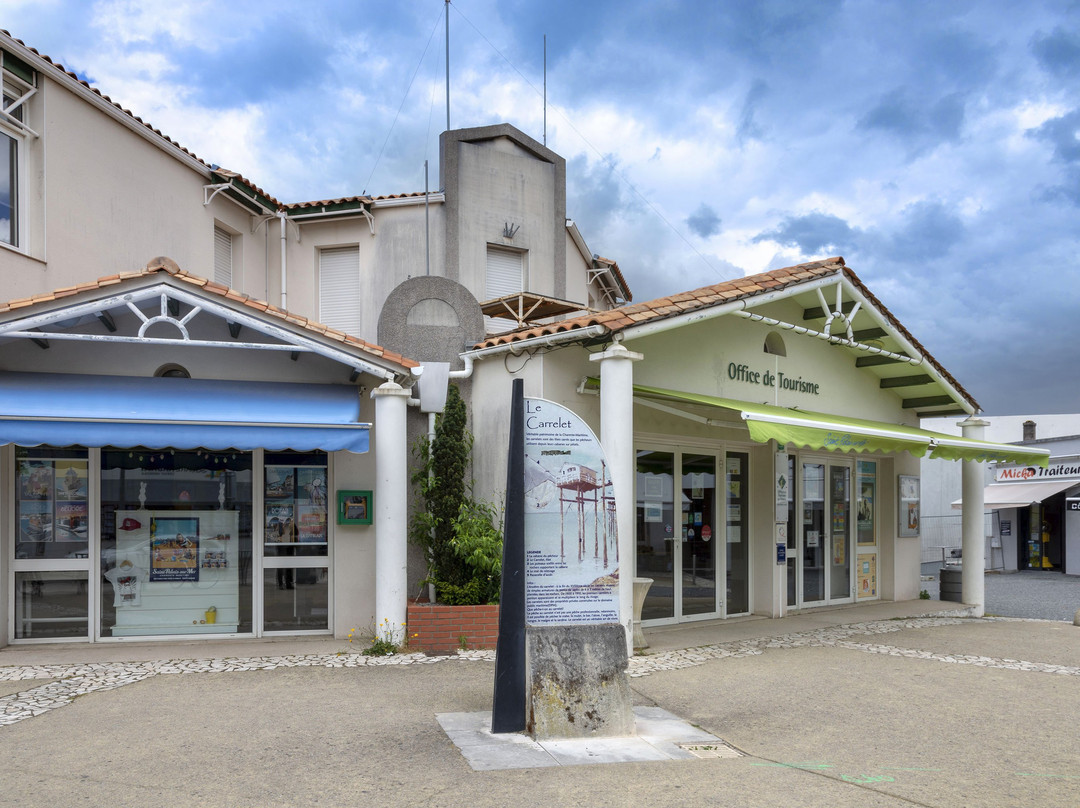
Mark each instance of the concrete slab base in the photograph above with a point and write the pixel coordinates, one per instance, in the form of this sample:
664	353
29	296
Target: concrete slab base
660	736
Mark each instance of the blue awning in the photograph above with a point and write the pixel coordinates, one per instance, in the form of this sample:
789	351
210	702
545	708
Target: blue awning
123	411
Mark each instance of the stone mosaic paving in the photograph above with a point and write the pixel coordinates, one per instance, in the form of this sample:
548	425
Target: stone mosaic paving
66	682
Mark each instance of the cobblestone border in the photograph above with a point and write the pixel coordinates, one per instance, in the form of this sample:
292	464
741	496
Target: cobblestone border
66	682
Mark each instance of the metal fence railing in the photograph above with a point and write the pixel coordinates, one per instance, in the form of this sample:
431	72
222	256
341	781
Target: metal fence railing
942	537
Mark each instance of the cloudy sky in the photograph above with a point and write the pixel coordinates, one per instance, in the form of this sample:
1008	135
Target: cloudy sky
932	144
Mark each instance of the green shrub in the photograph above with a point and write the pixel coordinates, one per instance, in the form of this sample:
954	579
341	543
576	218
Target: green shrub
460	536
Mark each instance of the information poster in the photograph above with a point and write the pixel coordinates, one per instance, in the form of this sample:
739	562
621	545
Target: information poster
866	488
867	576
571	539
908	510
52	504
295	508
174	549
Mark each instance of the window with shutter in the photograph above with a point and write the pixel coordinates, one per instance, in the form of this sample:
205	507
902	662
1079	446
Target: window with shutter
505	276
505	273
339	288
223	256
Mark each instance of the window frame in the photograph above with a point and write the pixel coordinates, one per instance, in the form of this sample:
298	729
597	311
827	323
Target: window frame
16	92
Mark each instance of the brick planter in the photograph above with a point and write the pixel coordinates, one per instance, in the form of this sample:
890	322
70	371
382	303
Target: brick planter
440	629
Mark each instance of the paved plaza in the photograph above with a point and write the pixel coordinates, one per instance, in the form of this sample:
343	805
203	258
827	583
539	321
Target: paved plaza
916	706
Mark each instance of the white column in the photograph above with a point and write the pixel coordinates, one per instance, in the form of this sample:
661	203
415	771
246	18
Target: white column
972	582
391	509
617	438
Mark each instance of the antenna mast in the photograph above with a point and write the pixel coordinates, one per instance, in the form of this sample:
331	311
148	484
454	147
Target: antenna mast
447	65
545	89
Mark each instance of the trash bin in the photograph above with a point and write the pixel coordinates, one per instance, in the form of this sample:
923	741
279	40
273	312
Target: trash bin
952	584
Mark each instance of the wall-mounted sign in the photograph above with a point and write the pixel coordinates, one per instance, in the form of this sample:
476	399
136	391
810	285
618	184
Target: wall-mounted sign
1024	473
1070	505
783	486
769	378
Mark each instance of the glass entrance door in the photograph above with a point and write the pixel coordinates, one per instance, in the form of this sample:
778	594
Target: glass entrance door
840	533
698	524
678	535
825	537
813	533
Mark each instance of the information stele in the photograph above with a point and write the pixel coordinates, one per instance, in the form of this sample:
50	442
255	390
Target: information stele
571	541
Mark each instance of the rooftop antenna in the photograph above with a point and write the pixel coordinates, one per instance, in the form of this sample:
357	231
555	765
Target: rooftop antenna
545	89
447	65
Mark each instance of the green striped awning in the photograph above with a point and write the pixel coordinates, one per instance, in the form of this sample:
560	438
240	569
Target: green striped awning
816	430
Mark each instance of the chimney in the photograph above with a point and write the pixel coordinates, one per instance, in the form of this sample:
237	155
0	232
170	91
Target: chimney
1029	430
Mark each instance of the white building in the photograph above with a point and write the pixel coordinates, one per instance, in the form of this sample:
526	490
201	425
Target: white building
205	423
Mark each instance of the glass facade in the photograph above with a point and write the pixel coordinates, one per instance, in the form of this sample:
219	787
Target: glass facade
169	542
176	542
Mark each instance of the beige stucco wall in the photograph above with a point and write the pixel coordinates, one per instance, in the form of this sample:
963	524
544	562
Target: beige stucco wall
102	200
499	184
395	253
354	546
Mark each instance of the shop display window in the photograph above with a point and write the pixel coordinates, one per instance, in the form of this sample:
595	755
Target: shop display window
295	504
176	542
51	605
296	599
51	504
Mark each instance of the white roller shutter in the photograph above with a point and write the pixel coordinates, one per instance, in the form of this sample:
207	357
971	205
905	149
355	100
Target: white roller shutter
505	276
223	256
505	273
339	288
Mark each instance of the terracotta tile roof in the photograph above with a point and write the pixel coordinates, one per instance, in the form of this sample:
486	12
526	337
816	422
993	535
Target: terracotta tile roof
616	320
168	266
362	199
234	175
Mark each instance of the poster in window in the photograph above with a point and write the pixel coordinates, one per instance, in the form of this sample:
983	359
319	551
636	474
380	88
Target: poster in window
174	549
279	521
35	479
867	575
839	518
867	490
839	550
312	524
280	482
312	486
908	510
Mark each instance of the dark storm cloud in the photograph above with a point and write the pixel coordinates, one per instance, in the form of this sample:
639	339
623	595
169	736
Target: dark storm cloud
929	229
1058	52
704	222
1061	133
812	234
916	122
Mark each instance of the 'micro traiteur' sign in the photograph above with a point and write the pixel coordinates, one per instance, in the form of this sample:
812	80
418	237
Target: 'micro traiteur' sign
743	373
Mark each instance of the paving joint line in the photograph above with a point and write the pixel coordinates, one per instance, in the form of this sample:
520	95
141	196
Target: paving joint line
68	681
